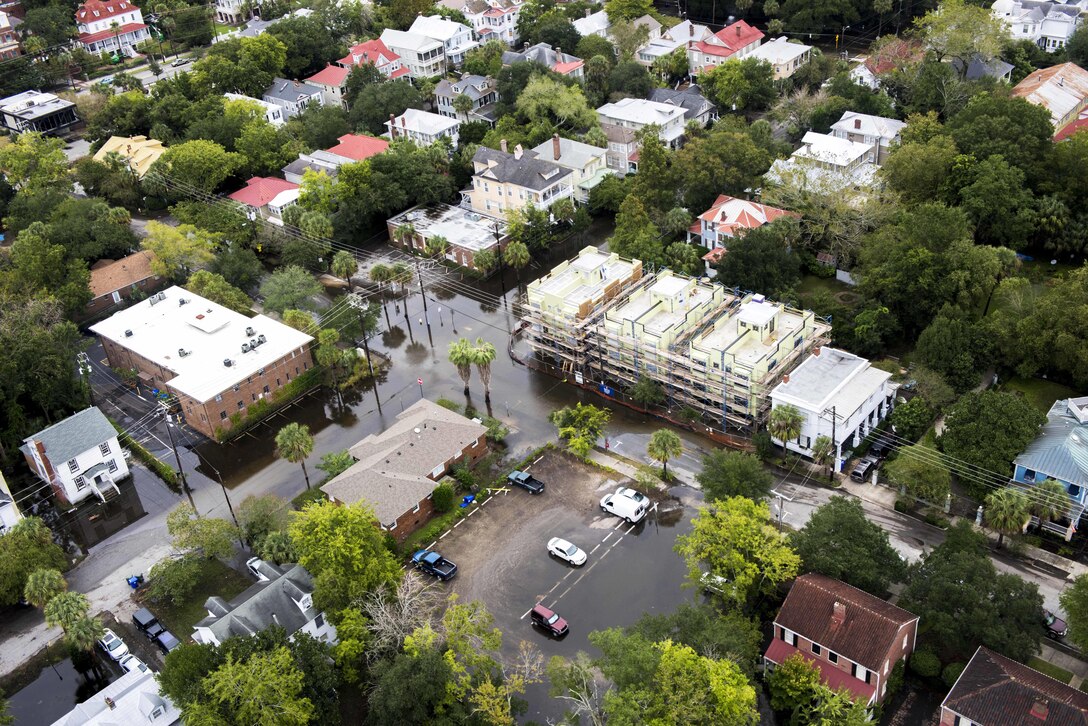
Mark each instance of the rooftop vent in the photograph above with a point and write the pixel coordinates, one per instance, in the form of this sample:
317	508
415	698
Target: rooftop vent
249	332
182	352
253	343
227	362
128	333
182	301
262	339
245	347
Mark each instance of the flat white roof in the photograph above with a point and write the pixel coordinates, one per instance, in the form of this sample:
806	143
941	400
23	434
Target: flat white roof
437	27
425	122
461	227
779	50
640	111
757	312
410	41
669	285
830	149
208	333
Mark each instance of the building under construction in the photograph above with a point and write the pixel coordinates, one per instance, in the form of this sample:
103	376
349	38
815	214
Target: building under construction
712	349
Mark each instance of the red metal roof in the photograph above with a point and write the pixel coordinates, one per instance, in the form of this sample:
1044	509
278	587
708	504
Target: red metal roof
359	147
565	68
729	40
714	256
330	76
1072	127
260	190
86	38
104	8
372	51
399	73
730	214
831	676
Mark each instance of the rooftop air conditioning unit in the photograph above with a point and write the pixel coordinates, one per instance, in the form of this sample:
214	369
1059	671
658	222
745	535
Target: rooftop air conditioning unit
128	333
161	296
182	301
182	352
153	299
245	347
262	339
249	332
253	343
227	362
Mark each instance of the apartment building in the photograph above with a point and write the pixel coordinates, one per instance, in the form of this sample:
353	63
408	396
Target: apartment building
502	181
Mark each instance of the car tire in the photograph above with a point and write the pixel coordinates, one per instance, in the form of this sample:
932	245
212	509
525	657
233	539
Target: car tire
603	509
628	520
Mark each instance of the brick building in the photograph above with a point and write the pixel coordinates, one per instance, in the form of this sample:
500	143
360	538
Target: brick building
216	362
852	637
119	280
397	470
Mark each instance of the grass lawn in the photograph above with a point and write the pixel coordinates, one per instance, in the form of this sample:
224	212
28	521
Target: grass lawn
811	284
215	579
1039	393
1050	669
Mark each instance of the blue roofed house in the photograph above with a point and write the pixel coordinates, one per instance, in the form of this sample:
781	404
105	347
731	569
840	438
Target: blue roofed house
1060	452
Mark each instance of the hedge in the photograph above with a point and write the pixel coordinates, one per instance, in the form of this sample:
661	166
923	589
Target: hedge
162	470
262	408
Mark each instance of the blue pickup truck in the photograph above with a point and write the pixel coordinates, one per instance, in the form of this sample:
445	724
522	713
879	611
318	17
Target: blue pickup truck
434	564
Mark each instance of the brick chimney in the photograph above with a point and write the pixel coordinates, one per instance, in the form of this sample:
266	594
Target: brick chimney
392	126
558	54
857	123
838	614
816	351
786	378
1040	710
556	147
502	145
738	30
691	30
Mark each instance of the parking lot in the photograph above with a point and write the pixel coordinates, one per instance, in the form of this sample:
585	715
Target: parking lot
503	562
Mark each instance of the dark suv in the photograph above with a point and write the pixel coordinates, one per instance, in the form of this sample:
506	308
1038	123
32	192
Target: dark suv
864	469
147	623
1055	626
549	621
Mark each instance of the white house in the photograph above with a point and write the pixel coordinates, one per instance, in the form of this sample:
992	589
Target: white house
679	36
293	96
110	26
78	457
877	131
636	113
1047	24
828	163
273	114
456	39
491	19
593	24
9	510
784	56
133	699
423	57
422	127
266	197
840	396
376	53
736	41
284	598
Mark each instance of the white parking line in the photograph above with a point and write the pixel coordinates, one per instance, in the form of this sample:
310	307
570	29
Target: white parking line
630	528
443	535
595	547
606	537
459	523
525	613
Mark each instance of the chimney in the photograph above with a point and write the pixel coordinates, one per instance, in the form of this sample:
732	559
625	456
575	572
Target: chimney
392	126
502	145
297	84
403	122
691	30
556	149
277	620
525	47
857	123
816	351
1040	710
786	378
518	151
110	703
558	54
838	614
588	13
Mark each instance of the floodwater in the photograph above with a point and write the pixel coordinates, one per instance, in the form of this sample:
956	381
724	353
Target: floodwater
55	692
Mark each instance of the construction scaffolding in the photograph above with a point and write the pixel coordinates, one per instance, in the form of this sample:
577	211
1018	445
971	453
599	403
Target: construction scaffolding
721	365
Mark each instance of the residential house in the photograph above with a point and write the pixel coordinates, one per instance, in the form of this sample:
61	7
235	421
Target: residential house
78	457
215	361
423	57
784	55
333	82
1062	90
482	91
892	55
637	113
9	39
827	163
879	132
491	19
562	63
1079	123
283	597
729	218
978	69
358	147
622	151
110	26
376	53
736	41
396	471
319	161
853	638
1059	452
502	181
681	35
9	510
586	161
456	39
233	12
273	113
255	27
466	232
293	96
118	280
134	699
138	152
423	127
266	197
997	691
691	99
653	27
37	111
1048	25
594	23
840	395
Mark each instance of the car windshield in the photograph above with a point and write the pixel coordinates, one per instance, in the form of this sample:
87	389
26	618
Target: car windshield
1050	619
553	618
571	549
112	643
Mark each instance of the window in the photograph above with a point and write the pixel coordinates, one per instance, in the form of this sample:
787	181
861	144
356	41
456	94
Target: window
416	508
218	397
253	396
266	389
305	366
278	384
319	621
241	405
237	387
833	656
73	466
81	483
789	636
816	649
222	415
112	465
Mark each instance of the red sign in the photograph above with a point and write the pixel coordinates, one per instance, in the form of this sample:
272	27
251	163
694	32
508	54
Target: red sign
419	381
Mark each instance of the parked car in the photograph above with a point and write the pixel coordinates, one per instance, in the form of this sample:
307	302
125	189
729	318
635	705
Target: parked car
131	663
166	642
626	503
435	564
882	446
115	647
256	566
526	481
714	583
144	619
566	551
1055	626
864	469
548	620
180	62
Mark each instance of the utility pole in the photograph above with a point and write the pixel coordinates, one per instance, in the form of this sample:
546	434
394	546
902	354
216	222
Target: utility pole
423	294
177	456
782	499
85	374
834	445
219	478
359	303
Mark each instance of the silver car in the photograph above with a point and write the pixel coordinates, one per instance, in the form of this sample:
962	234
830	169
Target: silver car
564	550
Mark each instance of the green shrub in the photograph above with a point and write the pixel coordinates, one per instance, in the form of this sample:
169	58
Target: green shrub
765	448
903	505
442	498
306	497
925	664
895	679
496	429
173	579
451	405
464	476
951	672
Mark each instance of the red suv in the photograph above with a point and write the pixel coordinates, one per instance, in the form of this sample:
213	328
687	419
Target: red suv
548	620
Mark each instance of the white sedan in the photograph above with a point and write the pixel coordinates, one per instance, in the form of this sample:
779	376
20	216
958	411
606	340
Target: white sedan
115	647
131	663
566	551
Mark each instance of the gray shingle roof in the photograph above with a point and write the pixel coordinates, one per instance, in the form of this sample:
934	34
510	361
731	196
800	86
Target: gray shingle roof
541	53
1061	448
978	68
67	439
290	91
468	85
690	99
528	171
264	604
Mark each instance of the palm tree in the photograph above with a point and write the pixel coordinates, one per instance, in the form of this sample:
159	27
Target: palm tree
294	443
664	445
344	265
462	104
42	585
65	609
823	451
83	633
785	423
1051	501
329	355
436	246
482	355
401	274
381	274
462	355
405	234
1007	511
516	255
116	28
